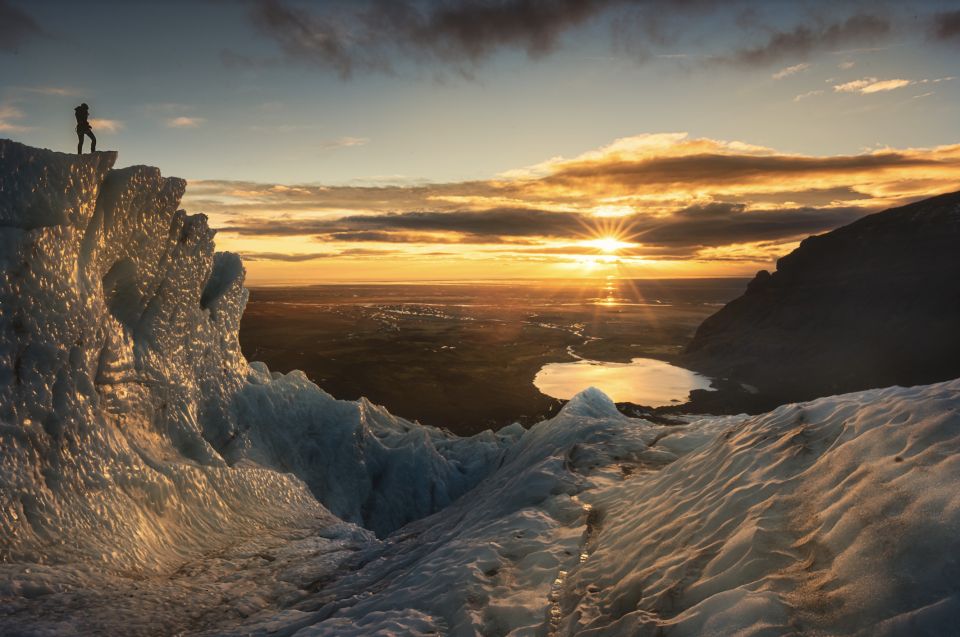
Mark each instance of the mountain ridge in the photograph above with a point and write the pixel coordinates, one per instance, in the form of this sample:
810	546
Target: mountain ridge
871	304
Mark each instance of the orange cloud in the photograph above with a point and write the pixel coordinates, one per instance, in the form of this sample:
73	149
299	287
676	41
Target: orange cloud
9	115
675	200
185	122
871	85
109	125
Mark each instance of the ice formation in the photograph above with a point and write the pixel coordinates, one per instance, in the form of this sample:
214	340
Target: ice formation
124	398
152	482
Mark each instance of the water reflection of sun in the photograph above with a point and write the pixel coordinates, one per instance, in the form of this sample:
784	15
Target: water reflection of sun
593	262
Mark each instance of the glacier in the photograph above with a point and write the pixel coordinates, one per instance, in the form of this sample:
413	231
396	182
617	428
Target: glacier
154	482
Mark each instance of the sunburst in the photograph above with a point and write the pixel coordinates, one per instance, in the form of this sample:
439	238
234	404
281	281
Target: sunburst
608	245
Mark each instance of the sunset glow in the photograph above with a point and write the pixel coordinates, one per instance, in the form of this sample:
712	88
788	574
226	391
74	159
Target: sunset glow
737	209
700	144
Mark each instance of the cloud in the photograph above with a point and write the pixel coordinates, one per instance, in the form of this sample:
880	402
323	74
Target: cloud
946	26
473	30
476	224
345	41
363	37
302	36
60	91
313	256
9	115
675	197
807	95
722	223
281	256
790	70
711	225
658	173
869	85
849	64
185	122
380	236
802	40
345	142
713	166
16	27
109	125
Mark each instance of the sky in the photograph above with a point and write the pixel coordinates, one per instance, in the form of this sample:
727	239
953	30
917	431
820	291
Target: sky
351	141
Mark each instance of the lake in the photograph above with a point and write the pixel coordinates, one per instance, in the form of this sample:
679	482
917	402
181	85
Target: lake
643	381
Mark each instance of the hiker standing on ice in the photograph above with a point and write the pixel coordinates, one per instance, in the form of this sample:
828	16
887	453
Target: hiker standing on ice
83	128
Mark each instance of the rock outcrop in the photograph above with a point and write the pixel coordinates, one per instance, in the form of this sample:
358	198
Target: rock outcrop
872	304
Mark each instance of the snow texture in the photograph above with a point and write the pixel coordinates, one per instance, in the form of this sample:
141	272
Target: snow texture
152	482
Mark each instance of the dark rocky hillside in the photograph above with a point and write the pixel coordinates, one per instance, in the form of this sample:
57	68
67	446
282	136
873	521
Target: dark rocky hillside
871	304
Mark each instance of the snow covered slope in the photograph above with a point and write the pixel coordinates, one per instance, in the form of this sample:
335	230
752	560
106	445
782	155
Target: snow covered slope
152	482
836	517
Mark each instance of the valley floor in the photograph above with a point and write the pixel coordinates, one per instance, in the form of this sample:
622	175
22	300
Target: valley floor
463	356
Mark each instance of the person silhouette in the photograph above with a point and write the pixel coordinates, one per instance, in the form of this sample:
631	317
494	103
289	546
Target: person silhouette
83	128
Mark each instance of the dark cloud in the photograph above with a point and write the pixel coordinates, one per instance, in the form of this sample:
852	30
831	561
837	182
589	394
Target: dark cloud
487	224
305	36
312	256
858	29
710	225
251	196
280	256
366	38
719	169
721	224
946	26
475	29
759	196
371	36
388	237
16	27
811	197
570	183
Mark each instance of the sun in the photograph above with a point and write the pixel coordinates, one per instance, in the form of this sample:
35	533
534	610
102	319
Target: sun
609	245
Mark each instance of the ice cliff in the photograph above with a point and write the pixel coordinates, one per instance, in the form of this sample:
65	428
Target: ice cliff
131	426
152	482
